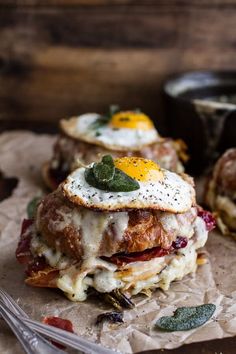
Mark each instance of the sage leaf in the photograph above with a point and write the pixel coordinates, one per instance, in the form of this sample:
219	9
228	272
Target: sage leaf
98	123
104	119
113	109
103	175
113	316
107	159
32	207
186	318
124	301
103	172
91	180
121	182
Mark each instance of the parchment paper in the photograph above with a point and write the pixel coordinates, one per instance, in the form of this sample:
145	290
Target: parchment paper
21	155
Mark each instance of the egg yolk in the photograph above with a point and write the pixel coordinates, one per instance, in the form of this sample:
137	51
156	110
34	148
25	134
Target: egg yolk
141	169
131	120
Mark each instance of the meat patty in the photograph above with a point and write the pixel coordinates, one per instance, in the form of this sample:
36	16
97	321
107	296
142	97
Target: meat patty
57	223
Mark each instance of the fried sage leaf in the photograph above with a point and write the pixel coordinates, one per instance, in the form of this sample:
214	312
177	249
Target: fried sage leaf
115	298
186	318
113	316
105	176
104	171
32	207
104	120
109	299
123	300
122	182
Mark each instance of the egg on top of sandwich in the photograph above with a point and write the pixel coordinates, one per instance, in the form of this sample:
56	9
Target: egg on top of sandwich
152	187
122	224
119	133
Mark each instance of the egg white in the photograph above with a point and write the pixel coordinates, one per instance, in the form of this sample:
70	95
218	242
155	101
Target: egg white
172	193
111	138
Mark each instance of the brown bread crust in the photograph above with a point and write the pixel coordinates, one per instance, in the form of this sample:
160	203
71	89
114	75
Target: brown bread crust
144	229
68	150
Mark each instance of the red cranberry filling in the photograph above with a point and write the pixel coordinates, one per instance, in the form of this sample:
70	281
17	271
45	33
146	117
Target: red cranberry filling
180	242
208	219
123	258
36	265
23	253
59	323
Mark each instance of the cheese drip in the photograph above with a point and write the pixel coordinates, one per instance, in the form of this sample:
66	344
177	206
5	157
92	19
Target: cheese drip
137	276
92	226
133	277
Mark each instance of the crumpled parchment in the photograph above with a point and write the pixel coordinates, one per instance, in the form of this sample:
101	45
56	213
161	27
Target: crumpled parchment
21	156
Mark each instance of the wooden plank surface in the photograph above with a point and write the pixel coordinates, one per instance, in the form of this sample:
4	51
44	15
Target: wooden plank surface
66	3
57	61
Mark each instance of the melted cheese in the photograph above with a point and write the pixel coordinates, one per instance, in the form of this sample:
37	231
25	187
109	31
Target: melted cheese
55	258
104	276
75	282
177	224
134	277
91	225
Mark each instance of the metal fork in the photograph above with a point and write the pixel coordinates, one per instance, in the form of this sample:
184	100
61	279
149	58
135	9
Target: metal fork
31	342
57	334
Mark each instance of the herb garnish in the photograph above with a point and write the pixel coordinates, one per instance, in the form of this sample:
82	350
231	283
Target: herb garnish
104	120
104	175
186	318
114	316
32	207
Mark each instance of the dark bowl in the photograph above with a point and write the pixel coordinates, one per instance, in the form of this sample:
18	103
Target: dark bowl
201	110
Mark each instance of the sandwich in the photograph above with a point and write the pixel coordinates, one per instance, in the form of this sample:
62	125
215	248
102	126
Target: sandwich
122	224
221	192
120	133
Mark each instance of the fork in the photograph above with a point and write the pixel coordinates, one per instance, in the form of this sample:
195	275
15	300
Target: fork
31	342
61	336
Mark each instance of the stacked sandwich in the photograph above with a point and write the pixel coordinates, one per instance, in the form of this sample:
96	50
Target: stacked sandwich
120	133
221	192
119	224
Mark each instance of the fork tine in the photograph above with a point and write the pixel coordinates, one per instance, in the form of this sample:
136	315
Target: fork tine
11	303
58	334
31	341
69	339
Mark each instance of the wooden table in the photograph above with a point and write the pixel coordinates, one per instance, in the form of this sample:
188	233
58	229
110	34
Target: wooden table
64	57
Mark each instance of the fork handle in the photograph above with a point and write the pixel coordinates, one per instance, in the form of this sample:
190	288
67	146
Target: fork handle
30	340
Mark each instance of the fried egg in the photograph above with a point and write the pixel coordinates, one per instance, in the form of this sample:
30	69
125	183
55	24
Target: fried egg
159	189
124	130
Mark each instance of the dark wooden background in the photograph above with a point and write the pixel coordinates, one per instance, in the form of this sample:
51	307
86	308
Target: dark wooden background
59	58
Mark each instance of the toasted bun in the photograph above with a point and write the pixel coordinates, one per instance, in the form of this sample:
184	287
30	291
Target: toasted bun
56	223
46	278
